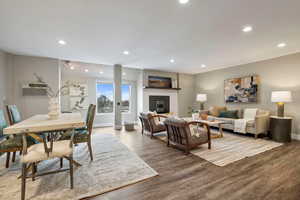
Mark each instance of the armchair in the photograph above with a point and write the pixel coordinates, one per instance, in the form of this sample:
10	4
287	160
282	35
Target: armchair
151	123
187	135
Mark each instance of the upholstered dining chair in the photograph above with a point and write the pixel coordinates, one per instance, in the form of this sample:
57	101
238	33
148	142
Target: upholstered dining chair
152	123
13	113
14	143
84	135
48	149
9	145
187	135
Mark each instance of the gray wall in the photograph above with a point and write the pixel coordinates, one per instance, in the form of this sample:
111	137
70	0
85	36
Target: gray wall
187	94
281	73
3	80
21	71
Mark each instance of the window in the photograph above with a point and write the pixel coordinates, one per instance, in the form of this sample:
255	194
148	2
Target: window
105	97
125	98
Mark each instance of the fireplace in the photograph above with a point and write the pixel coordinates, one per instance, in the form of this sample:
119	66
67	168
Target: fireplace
160	104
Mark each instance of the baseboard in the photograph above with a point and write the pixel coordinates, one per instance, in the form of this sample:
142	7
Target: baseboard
108	125
103	125
295	136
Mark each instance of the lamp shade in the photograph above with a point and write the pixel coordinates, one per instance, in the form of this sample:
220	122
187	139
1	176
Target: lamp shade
202	97
281	96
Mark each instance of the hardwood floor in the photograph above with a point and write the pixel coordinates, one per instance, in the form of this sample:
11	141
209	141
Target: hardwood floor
272	175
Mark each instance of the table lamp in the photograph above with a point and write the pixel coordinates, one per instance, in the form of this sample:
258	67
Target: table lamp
281	97
201	98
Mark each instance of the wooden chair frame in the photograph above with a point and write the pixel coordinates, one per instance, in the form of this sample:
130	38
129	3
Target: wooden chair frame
147	125
178	136
51	137
12	150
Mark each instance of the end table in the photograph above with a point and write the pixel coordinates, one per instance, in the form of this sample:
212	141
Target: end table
281	128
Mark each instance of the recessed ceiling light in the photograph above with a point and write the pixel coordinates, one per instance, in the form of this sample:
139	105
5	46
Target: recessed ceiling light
100	72
86	70
126	52
247	29
62	42
183	1
72	67
172	60
281	45
203	66
124	73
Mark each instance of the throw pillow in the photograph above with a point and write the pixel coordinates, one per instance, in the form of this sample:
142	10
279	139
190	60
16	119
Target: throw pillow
203	116
156	120
229	114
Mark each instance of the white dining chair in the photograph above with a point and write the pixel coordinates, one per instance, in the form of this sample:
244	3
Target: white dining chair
50	148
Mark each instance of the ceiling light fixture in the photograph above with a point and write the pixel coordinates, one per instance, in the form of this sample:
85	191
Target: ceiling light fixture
183	1
247	29
281	45
100	72
86	70
126	52
172	61
72	67
203	66
62	42
124	73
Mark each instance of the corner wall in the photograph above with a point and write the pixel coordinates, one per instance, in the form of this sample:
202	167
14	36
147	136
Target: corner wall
281	73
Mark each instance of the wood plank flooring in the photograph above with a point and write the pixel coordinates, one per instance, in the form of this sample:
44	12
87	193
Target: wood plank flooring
272	175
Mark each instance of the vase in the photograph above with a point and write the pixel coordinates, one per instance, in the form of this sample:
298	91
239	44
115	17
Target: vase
54	108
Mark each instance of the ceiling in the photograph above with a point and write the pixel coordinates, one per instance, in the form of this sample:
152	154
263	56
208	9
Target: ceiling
153	31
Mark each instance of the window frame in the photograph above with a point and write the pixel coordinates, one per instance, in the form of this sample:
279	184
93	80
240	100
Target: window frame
110	82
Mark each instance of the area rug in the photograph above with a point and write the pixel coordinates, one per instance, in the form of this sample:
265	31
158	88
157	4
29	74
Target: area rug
230	148
114	166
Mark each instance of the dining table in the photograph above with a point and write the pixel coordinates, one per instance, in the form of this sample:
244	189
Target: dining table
38	125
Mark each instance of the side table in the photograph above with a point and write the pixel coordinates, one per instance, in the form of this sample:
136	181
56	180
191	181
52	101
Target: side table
281	128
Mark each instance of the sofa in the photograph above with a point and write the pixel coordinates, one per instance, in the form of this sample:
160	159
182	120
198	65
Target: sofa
260	125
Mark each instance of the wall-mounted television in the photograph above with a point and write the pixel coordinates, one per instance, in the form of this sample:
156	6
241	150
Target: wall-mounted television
159	82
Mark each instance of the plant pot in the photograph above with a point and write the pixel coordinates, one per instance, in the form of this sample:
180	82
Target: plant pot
54	108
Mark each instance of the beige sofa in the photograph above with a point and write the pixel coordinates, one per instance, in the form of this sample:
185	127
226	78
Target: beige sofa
258	126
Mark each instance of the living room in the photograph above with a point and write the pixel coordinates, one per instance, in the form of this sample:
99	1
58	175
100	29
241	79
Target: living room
179	99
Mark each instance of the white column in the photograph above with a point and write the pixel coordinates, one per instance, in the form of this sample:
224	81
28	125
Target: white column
117	96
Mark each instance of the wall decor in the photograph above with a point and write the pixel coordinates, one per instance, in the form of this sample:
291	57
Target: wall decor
159	82
241	90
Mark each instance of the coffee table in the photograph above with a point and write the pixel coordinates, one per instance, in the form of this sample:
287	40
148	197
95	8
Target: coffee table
217	123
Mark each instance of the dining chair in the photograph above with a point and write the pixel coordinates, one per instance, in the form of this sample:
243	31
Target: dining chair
14	115
14	144
48	149
84	135
9	145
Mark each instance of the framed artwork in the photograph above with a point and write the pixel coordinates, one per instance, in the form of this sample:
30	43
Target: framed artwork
77	103
241	90
78	91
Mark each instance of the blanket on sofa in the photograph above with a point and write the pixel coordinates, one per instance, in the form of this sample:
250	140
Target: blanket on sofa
240	125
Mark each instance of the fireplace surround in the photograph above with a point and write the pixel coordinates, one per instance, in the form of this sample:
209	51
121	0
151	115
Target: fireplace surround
160	104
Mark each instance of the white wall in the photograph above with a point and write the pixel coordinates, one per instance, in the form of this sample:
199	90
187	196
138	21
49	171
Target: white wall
22	70
185	97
